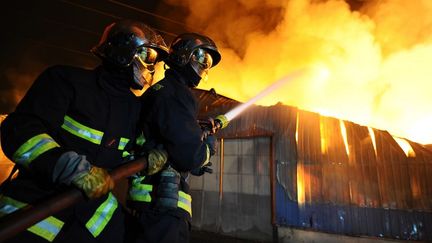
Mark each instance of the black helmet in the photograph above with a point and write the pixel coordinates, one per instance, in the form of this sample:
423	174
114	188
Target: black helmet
184	45
134	48
121	41
193	55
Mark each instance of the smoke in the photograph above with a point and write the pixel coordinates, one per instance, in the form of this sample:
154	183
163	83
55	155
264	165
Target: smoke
377	56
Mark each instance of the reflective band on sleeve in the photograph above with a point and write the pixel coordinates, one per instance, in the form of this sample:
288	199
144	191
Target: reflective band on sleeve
34	147
82	131
207	155
102	215
185	202
122	143
47	228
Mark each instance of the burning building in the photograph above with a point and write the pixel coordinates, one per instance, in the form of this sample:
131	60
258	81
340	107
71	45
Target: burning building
280	167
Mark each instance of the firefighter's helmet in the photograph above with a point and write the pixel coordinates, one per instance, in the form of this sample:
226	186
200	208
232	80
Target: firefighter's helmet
123	40
134	48
183	47
193	55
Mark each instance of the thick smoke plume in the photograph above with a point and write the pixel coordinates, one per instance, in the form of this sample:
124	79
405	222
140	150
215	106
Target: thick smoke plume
377	56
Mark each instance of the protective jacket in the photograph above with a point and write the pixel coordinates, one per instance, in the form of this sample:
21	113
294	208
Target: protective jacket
90	112
168	117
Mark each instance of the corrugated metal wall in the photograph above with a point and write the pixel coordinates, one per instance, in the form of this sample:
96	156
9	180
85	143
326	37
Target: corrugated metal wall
358	186
336	176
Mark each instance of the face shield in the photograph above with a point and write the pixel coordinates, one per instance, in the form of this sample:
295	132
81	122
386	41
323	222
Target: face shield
143	64
201	62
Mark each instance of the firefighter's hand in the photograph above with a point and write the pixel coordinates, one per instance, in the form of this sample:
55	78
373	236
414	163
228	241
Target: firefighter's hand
202	170
156	160
94	183
211	142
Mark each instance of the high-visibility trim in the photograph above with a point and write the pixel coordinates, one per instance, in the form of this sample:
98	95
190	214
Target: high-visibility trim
102	215
34	147
47	228
125	154
207	155
122	143
140	140
140	192
185	202
82	131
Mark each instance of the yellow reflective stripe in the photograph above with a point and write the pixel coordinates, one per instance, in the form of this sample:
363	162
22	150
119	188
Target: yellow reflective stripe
185	202
47	228
125	154
122	143
102	215
141	192
9	205
82	131
34	147
207	155
140	140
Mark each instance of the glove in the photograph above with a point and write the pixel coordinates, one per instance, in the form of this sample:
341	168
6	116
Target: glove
156	160
95	182
202	170
208	127
211	142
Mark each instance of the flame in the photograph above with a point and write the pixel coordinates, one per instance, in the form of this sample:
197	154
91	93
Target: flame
324	145
376	60
405	146
301	197
344	136
372	135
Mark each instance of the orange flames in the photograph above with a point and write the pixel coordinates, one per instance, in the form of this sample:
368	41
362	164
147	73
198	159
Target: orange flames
377	59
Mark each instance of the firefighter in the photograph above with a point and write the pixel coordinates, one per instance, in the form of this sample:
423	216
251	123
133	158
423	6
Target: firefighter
72	127
161	202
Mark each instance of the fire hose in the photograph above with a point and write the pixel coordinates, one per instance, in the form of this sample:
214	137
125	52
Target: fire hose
20	220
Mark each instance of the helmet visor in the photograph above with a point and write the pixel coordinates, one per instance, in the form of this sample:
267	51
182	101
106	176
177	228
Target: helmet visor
201	62
147	55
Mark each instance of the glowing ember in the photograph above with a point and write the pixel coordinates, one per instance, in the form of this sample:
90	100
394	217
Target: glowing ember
377	58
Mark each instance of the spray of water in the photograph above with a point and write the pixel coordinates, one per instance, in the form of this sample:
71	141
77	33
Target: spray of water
276	85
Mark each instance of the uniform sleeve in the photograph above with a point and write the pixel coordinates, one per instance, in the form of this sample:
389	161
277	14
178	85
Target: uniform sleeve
181	133
27	135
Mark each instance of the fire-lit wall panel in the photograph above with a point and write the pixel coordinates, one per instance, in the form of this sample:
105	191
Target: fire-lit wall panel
336	176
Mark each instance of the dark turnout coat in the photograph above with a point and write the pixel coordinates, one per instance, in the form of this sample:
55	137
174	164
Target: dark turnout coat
66	109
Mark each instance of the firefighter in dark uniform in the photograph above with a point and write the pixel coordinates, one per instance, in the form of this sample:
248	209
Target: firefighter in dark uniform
72	127
162	202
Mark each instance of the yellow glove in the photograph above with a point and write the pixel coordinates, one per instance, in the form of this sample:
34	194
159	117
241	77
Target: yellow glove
156	160
94	183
